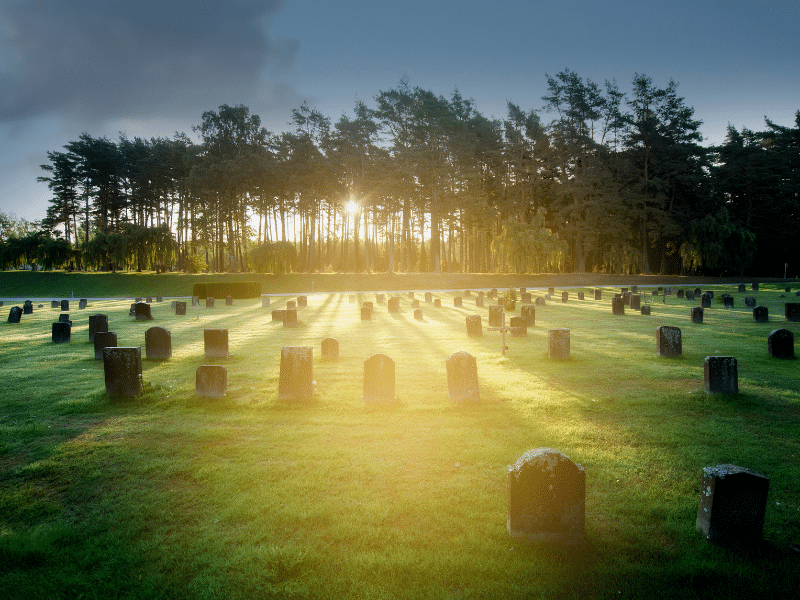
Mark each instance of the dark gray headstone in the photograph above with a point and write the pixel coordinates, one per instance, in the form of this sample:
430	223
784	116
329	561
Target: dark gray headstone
727	301
291	305
690	295
792	311
82	303
209	303
780	343
733	503
379	379
158	343
754	287
636	302
462	378
750	301
103	339
123	371
211	381
564	296
65	306
668	341
741	287
15	314
215	342
27	307
180	308
495	316
290	317
618	305
540	301
277	315
149	299
368	304
698	292
55	304
761	314
721	375
394	304
64	318
526	298
645	310
697	314
705	300
581	296
97	323
598	294
159	298
634	289
518	327
546	498
558	344
528	312
297	373
195	300
467	293
474	328
551	291
330	348
141	311
681	294
62	332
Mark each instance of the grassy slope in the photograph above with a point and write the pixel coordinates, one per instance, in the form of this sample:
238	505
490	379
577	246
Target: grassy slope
175	497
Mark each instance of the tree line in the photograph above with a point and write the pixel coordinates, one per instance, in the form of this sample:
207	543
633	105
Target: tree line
614	182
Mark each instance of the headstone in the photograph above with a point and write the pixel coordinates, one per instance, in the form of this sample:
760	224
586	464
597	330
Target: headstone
634	289
97	323
366	313
195	300
501	301
733	503
330	348
141	311
623	290
132	312
750	301
211	381
668	341
437	302
216	343
55	304
394	304
564	296
65	306
617	306
61	333
27	307
792	311
528	312
302	301
137	299
539	301
159	298
598	294
297	373
780	343
761	314
697	314
209	303
645	310
479	301
581	296
558	344
277	315
526	298
467	293
418	314
474	327
626	298
551	291
180	308
291	304
457	302
428	297
705	300
698	292
636	302
172	304
123	371
379	379
546	498
290	317
368	304
727	301
149	299
754	287
495	316
228	300
690	295
415	303
158	343
265	302
681	294
493	294
82	303
64	318
410	295
462	378
721	375
710	293
103	339
518	327
15	314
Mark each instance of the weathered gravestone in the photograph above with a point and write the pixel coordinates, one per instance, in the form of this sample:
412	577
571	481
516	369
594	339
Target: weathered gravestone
215	342
415	303
474	328
410	295
551	291
761	314
82	303
290	317
733	503
546	498
368	304
462	378
64	318
379	298
159	298
645	310
741	287
526	298
634	289
697	314
277	315
690	295
55	304
581	296
623	290
479	301
697	292
636	302
495	316
291	305
710	293
493	294
780	343
437	302
457	302
132	311
379	379
330	348
727	301
754	287
97	323
418	314
141	311
564	296
428	297
558	344
750	301
65	306
792	311
394	304
617	305
209	303
528	312
158	343
598	294
302	301
668	341
297	373
180	308
103	339
705	300
210	381
681	294
518	327
15	314
137	299
540	301
721	375
27	307
265	301
626	298
62	331
366	313
228	300
122	367
467	293
149	299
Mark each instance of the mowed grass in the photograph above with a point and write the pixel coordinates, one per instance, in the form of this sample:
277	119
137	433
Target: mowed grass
173	496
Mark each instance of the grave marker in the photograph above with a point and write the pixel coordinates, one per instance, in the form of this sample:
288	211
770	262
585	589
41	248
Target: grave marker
528	312
366	313
598	294
379	381
418	314
780	343
82	303
103	339
394	304
617	305
474	327
65	306
428	297
122	367
209	303
228	300
457	302
216	343
277	315
158	343
564	297
15	314
479	301
141	311
750	301
668	341
518	327
265	301
645	310
581	296
495	316
211	381
721	375
761	314
297	373
97	323
302	301
697	314
462	378
27	307
55	304
330	348
437	302
61	332
741	287
290	317
636	302
792	311
558	344
180	308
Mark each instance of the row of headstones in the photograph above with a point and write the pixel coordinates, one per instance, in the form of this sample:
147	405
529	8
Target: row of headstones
760	313
546	499
15	314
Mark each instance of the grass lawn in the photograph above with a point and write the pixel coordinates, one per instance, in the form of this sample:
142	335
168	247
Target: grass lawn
172	496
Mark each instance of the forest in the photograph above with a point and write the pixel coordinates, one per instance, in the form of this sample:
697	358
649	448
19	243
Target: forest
594	180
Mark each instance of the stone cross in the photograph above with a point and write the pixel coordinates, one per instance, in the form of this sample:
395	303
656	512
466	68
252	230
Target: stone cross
502	329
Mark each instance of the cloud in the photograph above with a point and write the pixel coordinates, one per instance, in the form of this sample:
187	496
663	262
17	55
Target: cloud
94	60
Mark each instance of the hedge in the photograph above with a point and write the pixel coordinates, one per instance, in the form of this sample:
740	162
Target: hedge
234	289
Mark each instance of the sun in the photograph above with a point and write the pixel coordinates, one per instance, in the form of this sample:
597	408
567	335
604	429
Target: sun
351	207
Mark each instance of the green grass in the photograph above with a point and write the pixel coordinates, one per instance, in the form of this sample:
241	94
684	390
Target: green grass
172	496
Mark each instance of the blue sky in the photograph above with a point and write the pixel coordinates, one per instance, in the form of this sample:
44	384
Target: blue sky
150	68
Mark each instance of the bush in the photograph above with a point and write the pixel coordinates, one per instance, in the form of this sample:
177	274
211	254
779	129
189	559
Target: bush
235	289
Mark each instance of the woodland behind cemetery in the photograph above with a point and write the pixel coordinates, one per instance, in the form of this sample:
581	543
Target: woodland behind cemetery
596	179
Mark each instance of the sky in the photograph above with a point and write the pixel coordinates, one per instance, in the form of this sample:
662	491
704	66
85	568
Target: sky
150	68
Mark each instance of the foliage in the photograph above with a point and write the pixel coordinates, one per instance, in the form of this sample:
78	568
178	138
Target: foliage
274	257
717	244
234	289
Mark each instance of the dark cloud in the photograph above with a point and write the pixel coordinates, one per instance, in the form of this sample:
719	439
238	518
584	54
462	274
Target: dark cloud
100	59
